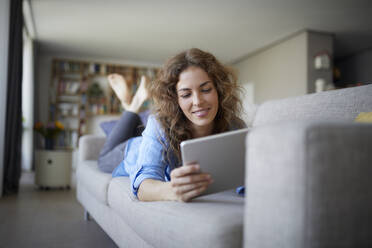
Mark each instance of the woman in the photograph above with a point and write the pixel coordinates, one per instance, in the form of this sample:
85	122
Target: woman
194	96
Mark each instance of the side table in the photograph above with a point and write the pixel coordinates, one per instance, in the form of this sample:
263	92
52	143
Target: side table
53	168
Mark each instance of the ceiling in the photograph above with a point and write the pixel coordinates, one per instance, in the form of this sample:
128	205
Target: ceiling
151	31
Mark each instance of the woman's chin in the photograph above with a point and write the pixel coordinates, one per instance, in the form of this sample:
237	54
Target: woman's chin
202	122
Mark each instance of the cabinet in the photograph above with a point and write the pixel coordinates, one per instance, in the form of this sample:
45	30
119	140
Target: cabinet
53	168
79	90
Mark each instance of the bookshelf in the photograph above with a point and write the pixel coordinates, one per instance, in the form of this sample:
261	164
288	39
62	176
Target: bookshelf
79	90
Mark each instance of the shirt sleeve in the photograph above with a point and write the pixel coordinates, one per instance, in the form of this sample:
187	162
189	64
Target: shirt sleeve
150	163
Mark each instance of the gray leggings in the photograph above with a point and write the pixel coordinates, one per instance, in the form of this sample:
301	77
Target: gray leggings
112	153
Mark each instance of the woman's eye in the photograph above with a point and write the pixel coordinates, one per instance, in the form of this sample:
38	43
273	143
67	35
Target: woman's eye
185	95
206	90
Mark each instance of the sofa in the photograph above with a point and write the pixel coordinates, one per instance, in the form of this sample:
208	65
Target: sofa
308	169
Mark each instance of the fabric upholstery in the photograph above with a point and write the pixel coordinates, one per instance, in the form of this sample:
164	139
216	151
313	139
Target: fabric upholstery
95	181
308	185
107	126
90	146
210	221
109	220
336	105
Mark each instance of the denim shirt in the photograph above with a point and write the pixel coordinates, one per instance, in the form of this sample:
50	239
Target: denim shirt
143	157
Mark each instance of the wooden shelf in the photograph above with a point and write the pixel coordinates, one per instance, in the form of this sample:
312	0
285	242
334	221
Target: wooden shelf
107	114
67	101
69	94
69	76
68	116
65	77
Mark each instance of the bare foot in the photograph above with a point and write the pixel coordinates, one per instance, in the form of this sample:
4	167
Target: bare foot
121	88
140	97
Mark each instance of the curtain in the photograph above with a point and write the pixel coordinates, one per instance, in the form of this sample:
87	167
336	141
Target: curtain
13	122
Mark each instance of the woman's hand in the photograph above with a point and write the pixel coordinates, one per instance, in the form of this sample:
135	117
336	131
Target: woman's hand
188	182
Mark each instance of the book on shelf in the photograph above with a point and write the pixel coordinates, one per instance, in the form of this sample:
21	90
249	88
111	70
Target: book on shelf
68	87
66	66
97	68
68	109
82	113
83	99
69	98
98	109
68	139
84	86
52	111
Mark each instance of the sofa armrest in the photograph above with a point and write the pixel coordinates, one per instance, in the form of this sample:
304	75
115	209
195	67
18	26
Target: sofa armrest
90	147
308	185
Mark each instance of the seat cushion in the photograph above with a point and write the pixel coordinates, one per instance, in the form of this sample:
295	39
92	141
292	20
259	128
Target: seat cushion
214	220
95	181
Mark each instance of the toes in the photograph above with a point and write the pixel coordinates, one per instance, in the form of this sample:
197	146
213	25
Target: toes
116	78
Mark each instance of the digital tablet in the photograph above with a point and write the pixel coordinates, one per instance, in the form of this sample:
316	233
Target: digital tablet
220	155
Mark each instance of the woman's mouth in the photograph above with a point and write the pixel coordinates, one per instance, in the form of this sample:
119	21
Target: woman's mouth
201	112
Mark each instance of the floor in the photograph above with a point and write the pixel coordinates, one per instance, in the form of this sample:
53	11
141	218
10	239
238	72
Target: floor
47	218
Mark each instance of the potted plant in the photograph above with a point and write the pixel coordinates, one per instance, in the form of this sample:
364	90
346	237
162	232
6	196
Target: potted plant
49	132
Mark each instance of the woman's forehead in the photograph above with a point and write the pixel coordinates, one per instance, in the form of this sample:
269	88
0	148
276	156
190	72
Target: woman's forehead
192	77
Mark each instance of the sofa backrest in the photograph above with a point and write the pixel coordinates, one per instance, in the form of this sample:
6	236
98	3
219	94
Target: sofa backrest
342	105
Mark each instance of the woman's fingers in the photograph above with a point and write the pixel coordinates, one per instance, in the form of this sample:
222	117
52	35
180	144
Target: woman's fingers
192	194
188	182
191	179
188	187
185	170
185	192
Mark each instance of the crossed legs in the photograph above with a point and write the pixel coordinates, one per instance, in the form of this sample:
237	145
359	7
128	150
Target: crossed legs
129	124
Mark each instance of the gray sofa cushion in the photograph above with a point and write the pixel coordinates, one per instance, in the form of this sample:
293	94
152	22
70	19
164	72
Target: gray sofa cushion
308	185
336	105
90	147
210	221
94	180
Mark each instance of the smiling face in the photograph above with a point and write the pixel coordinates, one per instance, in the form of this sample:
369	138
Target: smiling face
198	99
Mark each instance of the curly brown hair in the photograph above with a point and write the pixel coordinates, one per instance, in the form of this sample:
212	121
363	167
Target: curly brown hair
163	91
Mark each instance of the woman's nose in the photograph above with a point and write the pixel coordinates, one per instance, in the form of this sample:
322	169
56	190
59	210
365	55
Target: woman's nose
197	99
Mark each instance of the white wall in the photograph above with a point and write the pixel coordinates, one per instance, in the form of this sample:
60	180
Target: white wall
248	103
277	72
286	69
27	102
4	39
